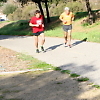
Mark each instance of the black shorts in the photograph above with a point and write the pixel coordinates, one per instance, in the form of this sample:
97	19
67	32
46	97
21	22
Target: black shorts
67	27
38	33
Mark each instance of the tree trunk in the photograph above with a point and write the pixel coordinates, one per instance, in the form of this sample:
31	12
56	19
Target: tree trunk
90	13
88	8
40	7
47	11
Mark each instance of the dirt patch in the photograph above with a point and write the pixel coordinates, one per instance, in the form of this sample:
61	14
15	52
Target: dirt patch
9	61
39	85
51	85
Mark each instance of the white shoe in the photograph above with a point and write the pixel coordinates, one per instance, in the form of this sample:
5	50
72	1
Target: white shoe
65	45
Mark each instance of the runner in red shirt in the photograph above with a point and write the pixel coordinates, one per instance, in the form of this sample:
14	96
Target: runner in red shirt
37	25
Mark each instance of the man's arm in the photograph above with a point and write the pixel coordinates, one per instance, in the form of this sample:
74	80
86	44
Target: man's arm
61	18
73	17
36	25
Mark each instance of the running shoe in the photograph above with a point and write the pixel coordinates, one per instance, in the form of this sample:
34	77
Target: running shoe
37	50
65	45
69	46
42	48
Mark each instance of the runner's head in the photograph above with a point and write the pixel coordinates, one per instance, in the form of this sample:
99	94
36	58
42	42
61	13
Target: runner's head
67	10
37	13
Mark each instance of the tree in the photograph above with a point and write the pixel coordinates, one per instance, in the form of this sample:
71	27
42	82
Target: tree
3	0
38	2
90	13
47	11
40	7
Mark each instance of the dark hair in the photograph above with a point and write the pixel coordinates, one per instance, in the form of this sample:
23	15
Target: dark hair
36	12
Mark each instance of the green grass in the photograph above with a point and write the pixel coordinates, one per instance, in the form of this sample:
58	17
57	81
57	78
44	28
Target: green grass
8	91
74	75
92	36
1	97
54	29
35	63
96	86
57	69
65	71
14	99
82	79
16	28
56	32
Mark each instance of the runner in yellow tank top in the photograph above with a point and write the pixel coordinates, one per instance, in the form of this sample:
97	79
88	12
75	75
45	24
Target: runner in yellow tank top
67	17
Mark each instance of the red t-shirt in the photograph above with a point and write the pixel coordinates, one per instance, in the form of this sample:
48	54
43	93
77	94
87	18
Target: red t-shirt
35	20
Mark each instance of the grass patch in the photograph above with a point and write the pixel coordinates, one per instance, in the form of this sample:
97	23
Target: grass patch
41	65
59	83
96	86
82	79
57	69
14	99
8	91
65	71
35	63
1	97
54	29
74	75
16	28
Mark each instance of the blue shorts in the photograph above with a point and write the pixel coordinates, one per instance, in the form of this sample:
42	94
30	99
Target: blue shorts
38	33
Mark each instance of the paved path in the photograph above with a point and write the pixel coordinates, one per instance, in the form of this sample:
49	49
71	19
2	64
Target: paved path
83	58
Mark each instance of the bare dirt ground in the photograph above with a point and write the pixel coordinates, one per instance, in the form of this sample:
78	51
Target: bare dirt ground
9	61
40	85
51	85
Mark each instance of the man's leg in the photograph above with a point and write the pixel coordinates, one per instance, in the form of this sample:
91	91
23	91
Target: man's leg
69	37
36	43
65	37
42	41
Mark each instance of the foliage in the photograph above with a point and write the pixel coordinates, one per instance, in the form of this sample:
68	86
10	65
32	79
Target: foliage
9	9
57	69
96	86
3	0
24	13
56	10
16	28
82	79
1	4
34	63
74	75
65	71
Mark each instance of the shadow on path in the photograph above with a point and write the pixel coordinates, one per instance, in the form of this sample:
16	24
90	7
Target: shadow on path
2	37
53	47
82	70
79	42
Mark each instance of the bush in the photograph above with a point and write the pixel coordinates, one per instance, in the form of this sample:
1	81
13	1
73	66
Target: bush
24	13
74	6
9	9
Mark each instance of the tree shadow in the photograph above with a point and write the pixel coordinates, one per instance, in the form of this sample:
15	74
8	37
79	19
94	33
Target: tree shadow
79	42
50	85
53	47
86	70
2	37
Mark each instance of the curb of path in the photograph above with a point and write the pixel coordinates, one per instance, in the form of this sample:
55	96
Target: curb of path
12	72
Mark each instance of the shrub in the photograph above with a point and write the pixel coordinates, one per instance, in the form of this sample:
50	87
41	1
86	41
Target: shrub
24	13
9	9
74	6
